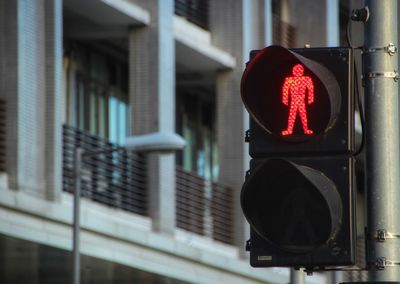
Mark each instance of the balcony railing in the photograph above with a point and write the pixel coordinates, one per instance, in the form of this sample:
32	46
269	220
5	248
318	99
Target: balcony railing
195	11
2	135
283	33
204	208
117	179
222	213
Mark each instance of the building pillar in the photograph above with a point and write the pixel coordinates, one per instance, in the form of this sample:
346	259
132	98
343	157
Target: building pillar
237	32
332	23
268	22
152	99
232	152
9	84
31	42
54	98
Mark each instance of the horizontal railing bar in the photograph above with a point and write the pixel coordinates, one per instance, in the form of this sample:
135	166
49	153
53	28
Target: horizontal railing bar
189	194
122	188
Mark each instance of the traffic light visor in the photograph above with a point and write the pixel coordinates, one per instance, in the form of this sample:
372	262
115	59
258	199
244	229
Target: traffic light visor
294	207
289	95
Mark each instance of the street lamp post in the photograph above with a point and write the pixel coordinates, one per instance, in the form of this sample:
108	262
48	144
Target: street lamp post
76	223
146	143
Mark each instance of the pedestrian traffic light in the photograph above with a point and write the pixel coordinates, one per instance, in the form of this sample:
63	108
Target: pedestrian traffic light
298	195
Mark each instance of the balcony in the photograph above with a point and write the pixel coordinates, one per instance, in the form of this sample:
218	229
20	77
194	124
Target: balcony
195	11
119	180
203	207
284	34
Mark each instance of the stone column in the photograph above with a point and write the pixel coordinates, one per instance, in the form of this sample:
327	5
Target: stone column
235	30
54	98
309	30
152	99
332	23
31	43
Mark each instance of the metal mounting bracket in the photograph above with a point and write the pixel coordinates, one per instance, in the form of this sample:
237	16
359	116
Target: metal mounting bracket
394	75
247	136
382	235
391	49
381	263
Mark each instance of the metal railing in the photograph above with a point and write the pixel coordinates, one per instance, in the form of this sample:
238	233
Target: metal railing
283	33
195	11
2	135
222	213
204	208
117	179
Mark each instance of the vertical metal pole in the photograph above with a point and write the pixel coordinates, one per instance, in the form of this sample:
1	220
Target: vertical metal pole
296	276
336	277
382	138
76	218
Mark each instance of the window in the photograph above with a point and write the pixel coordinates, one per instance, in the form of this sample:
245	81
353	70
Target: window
96	91
196	123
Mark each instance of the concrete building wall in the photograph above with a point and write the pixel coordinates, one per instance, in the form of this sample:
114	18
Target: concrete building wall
226	25
31	48
309	18
9	84
152	97
31	69
53	98
237	27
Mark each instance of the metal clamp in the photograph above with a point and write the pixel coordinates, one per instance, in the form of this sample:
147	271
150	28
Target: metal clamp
394	75
248	245
247	136
391	49
382	235
381	263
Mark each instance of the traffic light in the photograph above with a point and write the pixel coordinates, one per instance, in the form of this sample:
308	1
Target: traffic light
298	195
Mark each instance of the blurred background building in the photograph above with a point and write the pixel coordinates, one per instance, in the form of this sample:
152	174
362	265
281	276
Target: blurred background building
90	73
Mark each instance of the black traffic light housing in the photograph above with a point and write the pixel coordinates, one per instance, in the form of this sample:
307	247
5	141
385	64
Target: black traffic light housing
298	195
305	219
332	113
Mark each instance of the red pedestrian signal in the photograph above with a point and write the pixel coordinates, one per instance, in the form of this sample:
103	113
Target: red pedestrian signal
302	104
298	195
297	91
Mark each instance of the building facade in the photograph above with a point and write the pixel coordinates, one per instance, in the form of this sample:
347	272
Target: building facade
88	74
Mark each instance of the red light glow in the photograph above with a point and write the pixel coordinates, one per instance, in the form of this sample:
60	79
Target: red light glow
294	93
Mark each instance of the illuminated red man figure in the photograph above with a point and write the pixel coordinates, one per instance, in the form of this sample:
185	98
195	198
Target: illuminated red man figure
294	91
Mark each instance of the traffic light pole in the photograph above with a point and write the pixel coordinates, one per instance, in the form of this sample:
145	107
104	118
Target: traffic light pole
296	276
382	140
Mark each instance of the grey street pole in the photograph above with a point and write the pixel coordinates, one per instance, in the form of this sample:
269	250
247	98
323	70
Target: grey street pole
80	154
76	218
296	276
382	140
161	142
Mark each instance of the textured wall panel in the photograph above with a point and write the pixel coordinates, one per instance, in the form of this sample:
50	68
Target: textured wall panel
152	99
31	90
9	82
228	22
54	104
143	80
308	30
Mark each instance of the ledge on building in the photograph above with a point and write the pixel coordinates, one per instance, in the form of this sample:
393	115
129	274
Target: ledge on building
103	18
126	239
194	49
